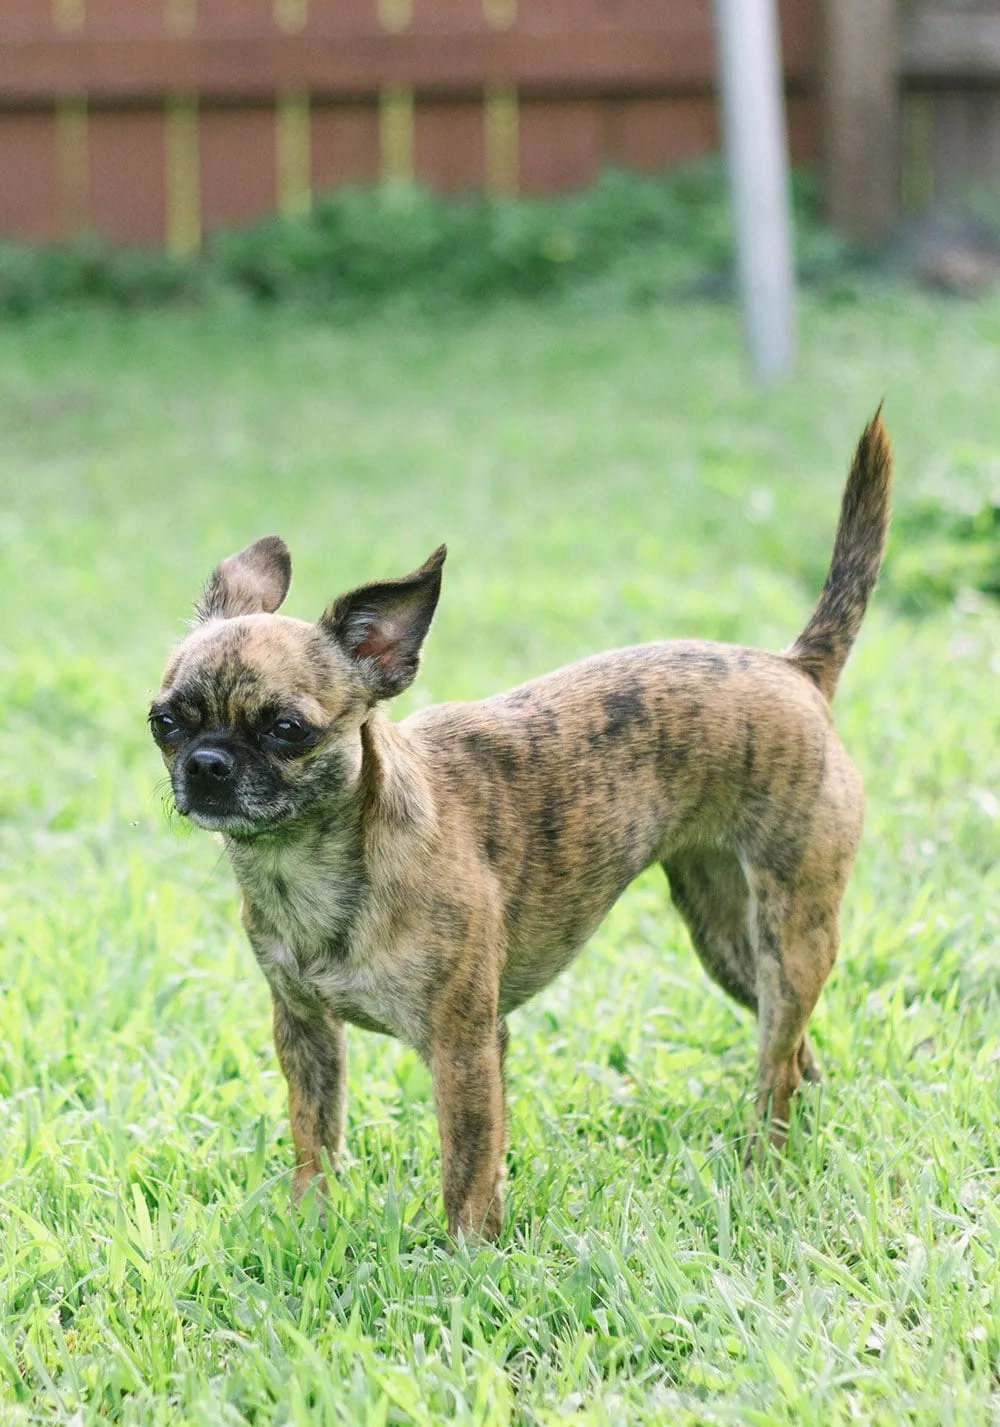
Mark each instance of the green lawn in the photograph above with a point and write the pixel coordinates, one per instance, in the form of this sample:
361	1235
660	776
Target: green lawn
602	475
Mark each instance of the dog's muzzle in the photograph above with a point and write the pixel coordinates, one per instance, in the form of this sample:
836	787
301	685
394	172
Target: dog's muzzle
208	781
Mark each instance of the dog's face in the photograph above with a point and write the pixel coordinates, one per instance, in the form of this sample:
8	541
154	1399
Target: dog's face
259	716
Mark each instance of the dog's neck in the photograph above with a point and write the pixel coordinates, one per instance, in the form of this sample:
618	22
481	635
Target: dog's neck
304	886
307	883
396	797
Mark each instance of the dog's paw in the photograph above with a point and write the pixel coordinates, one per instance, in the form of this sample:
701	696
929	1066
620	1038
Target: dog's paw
766	1146
310	1189
809	1066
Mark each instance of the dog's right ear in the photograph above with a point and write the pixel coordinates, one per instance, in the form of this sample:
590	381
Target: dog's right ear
253	582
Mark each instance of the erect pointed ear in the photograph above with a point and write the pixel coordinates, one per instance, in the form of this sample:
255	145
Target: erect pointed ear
253	582
383	626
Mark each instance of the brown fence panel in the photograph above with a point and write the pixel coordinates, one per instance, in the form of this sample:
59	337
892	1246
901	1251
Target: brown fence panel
655	133
449	143
157	121
344	145
560	144
950	99
238	165
126	175
113	20
29	183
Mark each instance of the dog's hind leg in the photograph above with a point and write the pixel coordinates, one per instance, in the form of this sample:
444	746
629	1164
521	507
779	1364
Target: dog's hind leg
798	934
710	890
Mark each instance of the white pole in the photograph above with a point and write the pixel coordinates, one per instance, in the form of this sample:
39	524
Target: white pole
757	159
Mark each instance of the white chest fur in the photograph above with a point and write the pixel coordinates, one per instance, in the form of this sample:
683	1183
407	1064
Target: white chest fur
305	890
305	903
351	992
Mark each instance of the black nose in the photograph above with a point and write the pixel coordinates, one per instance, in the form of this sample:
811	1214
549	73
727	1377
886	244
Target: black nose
210	767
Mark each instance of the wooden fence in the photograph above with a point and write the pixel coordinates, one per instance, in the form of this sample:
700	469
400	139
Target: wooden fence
911	105
950	98
157	121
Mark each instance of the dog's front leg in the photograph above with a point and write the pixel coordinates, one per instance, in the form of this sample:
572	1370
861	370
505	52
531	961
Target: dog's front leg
467	1071
312	1052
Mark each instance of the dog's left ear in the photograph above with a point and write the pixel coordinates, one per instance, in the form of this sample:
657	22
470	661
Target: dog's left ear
383	626
253	582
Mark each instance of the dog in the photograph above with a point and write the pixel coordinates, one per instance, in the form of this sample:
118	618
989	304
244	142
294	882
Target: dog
424	878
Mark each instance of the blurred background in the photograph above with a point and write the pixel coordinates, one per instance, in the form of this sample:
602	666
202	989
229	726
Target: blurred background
157	122
160	121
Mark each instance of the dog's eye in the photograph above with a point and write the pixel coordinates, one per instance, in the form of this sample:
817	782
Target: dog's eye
164	726
289	730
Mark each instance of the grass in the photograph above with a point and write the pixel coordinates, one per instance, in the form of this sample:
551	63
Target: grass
603	474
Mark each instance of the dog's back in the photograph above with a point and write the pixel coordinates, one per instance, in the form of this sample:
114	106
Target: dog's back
569	786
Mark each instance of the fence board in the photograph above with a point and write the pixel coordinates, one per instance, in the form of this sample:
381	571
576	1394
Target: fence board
122	19
945	45
189	114
238	165
560	144
802	118
861	113
127	180
342	17
344	145
236	17
452	17
353	66
950	77
985	158
22	18
653	133
29	198
449	144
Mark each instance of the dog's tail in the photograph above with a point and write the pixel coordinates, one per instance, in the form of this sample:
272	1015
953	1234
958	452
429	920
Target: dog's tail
822	648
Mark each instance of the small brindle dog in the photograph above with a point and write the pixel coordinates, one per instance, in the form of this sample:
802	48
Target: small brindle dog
424	878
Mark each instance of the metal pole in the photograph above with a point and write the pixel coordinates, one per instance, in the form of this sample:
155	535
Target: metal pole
757	159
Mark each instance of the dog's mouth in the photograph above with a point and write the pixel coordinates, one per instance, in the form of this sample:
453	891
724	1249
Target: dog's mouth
240	829
234	822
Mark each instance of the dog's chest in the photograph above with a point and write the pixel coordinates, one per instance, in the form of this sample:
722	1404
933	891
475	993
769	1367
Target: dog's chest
304	915
355	993
307	896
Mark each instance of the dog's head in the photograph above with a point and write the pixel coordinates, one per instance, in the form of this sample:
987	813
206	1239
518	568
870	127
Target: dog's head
259	716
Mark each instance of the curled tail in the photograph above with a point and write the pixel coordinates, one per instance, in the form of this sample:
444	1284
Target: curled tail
822	648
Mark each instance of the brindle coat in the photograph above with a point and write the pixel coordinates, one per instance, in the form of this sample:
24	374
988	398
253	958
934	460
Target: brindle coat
425	878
